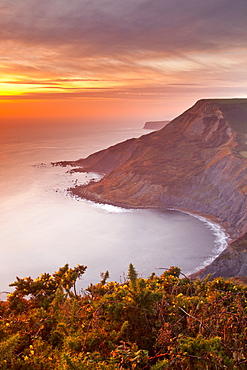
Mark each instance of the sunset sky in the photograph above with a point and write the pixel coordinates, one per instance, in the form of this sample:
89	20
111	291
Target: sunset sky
118	61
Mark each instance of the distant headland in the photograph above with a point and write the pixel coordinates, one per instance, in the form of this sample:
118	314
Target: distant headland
155	125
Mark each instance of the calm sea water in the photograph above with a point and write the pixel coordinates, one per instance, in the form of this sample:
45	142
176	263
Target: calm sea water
42	227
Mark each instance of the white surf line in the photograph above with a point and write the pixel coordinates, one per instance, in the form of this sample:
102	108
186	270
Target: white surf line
221	237
109	208
91	176
221	241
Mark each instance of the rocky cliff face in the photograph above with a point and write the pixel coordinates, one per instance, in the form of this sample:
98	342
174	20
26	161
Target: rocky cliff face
198	162
231	262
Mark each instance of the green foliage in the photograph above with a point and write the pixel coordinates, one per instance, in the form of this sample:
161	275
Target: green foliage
7	350
132	274
104	276
42	290
158	323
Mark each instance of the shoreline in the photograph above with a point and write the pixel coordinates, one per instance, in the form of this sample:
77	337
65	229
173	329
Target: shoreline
222	237
97	199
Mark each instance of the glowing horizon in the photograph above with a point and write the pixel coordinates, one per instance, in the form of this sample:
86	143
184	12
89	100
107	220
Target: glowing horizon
142	60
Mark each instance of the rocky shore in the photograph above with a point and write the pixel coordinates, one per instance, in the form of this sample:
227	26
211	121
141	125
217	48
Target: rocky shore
196	163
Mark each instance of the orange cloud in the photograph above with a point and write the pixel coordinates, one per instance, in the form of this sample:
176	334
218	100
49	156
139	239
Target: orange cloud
84	59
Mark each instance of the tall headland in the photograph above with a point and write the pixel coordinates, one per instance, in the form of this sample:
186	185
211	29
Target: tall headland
196	163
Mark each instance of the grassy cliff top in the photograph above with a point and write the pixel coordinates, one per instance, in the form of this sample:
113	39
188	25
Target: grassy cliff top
235	110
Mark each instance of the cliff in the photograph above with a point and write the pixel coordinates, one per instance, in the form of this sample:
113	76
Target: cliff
197	162
231	262
155	125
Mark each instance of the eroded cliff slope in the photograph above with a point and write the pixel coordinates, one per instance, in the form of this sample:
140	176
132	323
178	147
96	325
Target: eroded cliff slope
198	162
231	262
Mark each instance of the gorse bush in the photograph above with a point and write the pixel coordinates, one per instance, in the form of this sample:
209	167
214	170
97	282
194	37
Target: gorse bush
163	322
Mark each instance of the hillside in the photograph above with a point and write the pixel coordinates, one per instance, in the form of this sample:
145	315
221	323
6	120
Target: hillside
198	163
231	262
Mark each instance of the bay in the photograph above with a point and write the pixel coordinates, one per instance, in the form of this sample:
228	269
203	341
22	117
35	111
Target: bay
42	227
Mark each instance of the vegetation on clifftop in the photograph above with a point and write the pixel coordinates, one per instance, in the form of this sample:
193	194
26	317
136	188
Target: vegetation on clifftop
163	322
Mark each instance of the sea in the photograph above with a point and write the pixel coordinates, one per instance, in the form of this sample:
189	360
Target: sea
42	227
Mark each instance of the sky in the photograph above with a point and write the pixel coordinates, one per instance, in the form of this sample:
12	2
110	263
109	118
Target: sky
127	61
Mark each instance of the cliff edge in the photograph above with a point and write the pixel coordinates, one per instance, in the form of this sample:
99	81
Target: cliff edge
197	162
232	262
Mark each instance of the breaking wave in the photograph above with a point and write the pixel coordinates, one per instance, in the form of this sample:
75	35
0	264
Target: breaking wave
221	241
